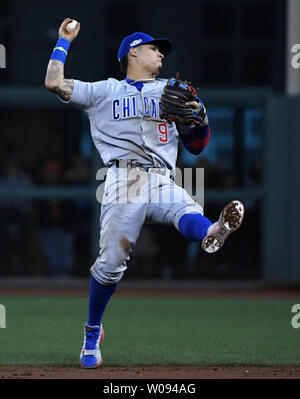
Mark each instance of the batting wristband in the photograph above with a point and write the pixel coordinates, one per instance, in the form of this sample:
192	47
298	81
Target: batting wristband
60	51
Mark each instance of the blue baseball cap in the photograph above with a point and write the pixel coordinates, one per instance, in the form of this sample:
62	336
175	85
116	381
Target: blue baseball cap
140	38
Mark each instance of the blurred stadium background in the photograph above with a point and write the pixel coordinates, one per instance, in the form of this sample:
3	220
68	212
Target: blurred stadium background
239	55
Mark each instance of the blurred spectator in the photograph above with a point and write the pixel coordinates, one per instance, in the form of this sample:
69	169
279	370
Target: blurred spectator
55	223
216	175
49	172
79	175
14	219
80	172
145	261
52	165
253	220
255	173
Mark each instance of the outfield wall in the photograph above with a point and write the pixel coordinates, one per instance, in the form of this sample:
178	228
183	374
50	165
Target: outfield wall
282	189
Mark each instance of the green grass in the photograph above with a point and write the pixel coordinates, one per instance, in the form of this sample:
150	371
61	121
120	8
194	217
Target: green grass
44	331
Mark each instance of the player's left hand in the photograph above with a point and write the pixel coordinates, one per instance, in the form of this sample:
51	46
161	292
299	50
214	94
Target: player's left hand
198	106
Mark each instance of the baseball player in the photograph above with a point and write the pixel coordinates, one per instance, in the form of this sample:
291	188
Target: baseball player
134	133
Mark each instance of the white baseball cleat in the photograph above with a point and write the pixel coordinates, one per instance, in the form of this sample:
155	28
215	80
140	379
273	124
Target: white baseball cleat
230	220
90	356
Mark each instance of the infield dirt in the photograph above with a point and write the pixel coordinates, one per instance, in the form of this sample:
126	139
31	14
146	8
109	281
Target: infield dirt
178	373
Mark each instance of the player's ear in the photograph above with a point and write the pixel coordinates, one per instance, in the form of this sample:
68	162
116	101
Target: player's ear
132	52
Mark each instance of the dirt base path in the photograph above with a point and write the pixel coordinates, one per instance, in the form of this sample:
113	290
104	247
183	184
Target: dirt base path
178	373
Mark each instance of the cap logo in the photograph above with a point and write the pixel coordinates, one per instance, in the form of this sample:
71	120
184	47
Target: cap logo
135	42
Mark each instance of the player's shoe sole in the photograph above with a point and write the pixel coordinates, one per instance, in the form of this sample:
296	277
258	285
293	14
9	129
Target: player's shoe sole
98	364
229	221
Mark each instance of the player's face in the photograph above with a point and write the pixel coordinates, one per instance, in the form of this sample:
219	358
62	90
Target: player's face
150	58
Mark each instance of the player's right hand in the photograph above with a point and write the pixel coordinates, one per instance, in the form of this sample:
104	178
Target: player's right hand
68	35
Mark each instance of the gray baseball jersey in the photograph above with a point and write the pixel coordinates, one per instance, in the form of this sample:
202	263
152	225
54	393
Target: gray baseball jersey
125	122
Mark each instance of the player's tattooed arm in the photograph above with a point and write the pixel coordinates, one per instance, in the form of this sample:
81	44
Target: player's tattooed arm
55	81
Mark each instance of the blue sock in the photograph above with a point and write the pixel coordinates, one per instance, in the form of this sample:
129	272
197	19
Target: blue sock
99	297
194	226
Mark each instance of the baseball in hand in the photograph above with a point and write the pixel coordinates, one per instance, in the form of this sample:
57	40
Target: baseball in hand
71	25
